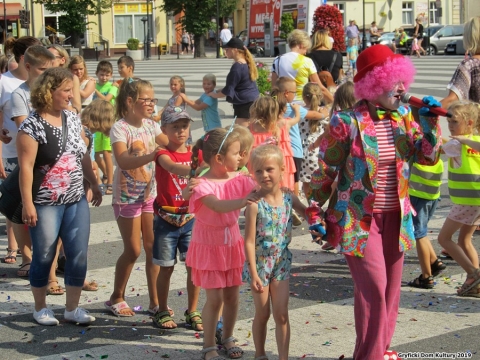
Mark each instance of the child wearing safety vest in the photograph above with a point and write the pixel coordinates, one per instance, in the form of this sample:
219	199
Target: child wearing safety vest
464	188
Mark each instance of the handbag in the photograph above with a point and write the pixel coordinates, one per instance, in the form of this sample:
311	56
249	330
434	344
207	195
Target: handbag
10	196
325	76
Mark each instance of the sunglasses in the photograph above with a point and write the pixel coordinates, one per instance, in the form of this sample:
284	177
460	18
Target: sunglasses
226	135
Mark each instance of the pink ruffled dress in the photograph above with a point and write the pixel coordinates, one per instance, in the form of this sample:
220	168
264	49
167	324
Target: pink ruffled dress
284	144
216	252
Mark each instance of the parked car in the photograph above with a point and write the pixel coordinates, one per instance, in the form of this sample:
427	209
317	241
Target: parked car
439	40
386	38
455	47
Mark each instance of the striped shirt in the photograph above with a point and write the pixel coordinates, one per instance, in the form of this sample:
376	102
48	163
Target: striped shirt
386	196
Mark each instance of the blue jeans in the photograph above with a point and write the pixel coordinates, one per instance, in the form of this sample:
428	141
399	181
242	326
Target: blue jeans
169	238
425	210
70	222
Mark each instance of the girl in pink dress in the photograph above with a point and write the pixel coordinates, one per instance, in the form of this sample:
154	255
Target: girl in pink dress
270	127
216	254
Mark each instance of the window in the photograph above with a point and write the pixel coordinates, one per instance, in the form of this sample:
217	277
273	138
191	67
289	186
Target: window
407	13
433	13
128	21
341	8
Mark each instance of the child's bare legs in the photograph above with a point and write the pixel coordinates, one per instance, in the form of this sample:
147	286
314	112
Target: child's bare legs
260	320
464	252
11	241
101	166
193	294
426	256
230	312
130	230
163	287
210	314
150	268
279	292
107	157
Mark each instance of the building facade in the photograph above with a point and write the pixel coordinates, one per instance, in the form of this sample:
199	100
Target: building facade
113	28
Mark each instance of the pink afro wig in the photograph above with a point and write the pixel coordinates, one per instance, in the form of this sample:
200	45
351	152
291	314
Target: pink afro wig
384	77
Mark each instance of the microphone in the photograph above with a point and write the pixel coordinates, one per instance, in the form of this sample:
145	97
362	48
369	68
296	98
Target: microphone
418	103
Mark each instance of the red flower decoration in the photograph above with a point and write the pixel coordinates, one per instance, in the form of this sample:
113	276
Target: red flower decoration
327	16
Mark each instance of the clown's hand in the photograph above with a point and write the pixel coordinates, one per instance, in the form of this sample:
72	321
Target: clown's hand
430	102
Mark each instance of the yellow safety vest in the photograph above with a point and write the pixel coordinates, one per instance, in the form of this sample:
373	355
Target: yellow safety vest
425	180
464	181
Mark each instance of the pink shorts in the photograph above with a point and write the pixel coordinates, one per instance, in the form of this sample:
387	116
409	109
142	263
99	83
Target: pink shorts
133	210
465	214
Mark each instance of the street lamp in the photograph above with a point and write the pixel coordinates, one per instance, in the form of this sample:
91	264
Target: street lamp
364	40
145	40
5	25
218	32
149	40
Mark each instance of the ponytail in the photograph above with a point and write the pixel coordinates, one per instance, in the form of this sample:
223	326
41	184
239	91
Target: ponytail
252	66
195	151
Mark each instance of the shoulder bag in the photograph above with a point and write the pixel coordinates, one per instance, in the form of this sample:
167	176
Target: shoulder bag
10	196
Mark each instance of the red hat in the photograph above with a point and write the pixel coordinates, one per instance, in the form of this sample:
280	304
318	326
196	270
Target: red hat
372	57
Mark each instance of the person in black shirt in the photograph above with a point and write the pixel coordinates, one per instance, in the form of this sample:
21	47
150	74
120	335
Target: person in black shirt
323	56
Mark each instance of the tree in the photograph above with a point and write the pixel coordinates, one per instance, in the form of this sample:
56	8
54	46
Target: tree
74	23
197	17
286	25
329	17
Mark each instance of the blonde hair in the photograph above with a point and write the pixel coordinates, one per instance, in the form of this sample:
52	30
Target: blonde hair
75	60
210	145
321	39
99	115
180	80
278	92
344	97
471	35
265	111
263	153
252	65
245	137
466	110
61	52
132	90
313	93
210	77
41	91
37	55
297	38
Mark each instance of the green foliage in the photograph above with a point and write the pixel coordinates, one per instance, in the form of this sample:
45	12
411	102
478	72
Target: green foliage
197	18
132	44
73	22
264	82
286	25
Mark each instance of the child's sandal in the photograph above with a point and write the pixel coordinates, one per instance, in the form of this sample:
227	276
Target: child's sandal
193	323
109	189
422	283
232	350
437	267
162	317
205	351
467	287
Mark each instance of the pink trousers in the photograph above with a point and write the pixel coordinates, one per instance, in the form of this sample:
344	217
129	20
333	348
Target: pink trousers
377	278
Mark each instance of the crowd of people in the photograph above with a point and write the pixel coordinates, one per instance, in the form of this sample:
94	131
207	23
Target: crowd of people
352	145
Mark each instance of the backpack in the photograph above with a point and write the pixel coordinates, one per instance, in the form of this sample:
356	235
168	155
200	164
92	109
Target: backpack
185	38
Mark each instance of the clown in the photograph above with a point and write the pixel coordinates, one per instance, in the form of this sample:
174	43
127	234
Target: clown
370	216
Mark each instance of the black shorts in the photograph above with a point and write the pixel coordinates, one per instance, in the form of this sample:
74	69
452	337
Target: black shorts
242	110
185	46
298	167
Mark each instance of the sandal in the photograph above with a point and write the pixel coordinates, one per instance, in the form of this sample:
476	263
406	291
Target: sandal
154	310
117	308
422	283
475	292
445	255
162	317
11	257
55	290
104	179
232	350
194	323
22	272
109	189
437	267
90	286
205	351
475	276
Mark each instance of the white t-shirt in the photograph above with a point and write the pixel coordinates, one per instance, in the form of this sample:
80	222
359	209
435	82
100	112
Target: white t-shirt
8	83
225	35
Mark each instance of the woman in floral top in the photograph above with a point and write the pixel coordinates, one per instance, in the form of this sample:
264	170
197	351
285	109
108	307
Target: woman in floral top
370	215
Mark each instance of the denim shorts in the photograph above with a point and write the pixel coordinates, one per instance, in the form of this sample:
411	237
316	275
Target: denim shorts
169	238
425	210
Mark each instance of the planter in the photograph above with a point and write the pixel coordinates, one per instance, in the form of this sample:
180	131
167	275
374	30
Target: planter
136	55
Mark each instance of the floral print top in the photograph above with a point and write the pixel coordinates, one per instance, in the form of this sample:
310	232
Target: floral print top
351	152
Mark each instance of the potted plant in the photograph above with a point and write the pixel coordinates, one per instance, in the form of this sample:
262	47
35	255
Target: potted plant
286	27
133	51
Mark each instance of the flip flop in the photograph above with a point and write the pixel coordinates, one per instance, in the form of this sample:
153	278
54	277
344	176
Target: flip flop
22	272
116	308
55	290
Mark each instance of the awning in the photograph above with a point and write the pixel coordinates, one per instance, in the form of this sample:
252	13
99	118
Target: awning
12	10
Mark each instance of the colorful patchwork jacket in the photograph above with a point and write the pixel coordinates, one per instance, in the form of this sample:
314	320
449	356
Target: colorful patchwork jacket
351	152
